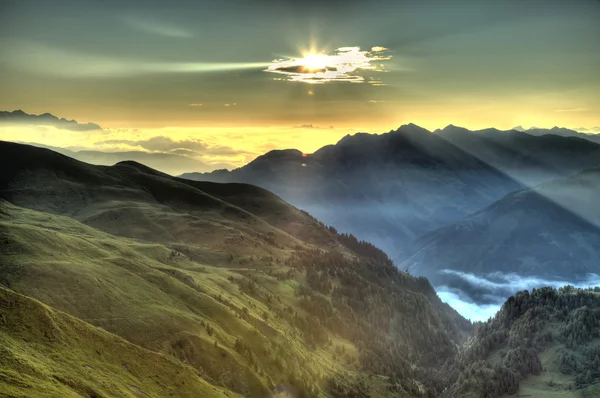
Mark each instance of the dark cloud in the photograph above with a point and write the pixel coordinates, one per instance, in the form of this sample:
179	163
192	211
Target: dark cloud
46	119
304	69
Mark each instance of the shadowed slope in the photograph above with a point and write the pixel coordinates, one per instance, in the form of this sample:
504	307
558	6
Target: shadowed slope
549	233
387	189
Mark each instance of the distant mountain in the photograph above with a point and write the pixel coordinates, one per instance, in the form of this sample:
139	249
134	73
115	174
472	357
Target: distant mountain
228	287
525	157
174	162
387	189
561	131
46	119
548	235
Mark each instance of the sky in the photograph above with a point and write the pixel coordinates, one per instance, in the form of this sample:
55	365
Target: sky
222	82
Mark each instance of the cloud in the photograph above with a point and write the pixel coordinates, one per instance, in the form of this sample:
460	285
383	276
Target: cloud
592	130
378	49
42	59
572	110
310	126
188	147
345	64
195	105
469	310
157	27
478	297
46	119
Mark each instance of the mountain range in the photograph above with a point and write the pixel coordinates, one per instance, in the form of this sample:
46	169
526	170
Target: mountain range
410	189
388	189
124	281
547	235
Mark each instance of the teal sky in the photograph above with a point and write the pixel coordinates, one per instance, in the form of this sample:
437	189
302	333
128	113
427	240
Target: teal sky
197	68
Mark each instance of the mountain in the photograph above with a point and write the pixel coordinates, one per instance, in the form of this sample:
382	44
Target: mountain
540	236
174	162
542	343
388	189
527	158
564	132
46	119
111	273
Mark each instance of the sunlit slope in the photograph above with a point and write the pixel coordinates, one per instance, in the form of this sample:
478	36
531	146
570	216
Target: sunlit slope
281	303
148	294
540	344
45	352
161	300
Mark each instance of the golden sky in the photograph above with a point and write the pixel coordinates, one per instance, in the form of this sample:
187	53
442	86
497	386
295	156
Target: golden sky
234	79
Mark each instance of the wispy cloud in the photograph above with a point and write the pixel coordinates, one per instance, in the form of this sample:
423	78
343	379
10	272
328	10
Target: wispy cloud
572	110
166	144
42	59
195	105
155	26
311	126
592	130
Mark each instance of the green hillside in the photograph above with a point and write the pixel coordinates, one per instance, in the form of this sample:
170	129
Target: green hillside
45	352
254	295
540	344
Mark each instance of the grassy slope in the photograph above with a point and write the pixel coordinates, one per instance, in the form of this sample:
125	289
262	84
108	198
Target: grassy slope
187	269
141	293
45	352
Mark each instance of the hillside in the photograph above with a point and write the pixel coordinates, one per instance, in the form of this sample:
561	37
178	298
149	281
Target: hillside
49	353
549	233
540	344
228	279
387	189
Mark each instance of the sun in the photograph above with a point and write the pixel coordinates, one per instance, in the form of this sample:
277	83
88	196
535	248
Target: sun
314	61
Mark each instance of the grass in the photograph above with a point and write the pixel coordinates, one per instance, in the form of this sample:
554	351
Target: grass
45	352
162	302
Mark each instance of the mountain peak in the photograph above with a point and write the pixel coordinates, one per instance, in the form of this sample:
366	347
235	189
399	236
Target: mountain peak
450	129
412	127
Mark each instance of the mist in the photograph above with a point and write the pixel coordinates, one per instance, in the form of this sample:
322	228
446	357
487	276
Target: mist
478	298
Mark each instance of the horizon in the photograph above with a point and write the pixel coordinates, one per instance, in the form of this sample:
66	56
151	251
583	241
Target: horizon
294	74
194	153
